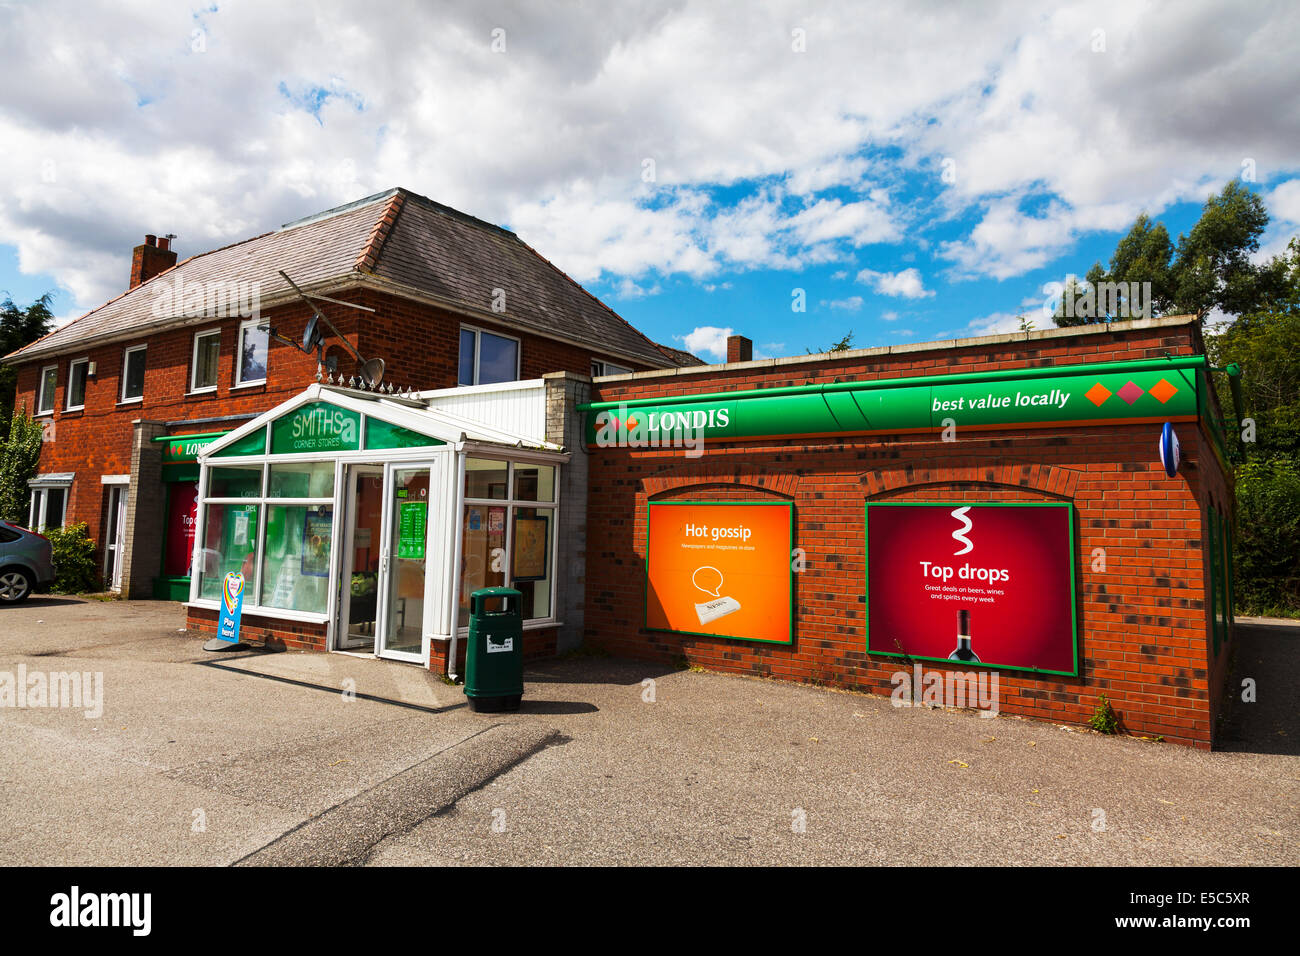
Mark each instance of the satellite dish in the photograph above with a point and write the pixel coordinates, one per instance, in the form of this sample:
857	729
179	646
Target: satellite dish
372	370
311	335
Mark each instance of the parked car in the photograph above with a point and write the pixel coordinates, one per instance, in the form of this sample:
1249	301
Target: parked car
26	563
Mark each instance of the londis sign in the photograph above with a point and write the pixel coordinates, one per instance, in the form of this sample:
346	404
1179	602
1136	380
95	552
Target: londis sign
1158	390
185	449
319	426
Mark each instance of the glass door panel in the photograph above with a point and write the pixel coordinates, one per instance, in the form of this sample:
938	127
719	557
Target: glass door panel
410	495
359	607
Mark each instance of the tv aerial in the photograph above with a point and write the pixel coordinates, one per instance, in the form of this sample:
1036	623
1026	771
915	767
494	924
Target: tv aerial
313	339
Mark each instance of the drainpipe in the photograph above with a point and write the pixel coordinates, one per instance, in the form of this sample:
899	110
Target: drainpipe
453	646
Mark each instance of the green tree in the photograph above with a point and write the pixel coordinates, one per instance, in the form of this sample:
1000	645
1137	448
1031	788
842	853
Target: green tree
20	451
843	345
1210	268
1265	342
19	327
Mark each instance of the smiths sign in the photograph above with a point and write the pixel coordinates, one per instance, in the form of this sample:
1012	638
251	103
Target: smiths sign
317	427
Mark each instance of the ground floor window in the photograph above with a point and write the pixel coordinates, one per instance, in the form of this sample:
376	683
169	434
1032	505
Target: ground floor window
253	524
508	533
296	557
229	544
48	507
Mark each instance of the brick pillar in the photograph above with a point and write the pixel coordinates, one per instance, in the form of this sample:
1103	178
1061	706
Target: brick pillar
564	426
142	558
739	349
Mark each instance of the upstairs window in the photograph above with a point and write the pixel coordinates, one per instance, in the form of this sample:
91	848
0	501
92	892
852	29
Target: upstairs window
45	391
599	368
133	374
253	346
486	357
203	368
77	372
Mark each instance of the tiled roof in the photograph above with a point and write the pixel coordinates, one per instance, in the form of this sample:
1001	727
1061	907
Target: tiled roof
682	358
394	237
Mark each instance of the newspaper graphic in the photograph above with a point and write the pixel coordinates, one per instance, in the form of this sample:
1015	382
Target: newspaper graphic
709	611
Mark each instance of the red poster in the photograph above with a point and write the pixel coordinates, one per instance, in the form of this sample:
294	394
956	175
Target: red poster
181	514
990	584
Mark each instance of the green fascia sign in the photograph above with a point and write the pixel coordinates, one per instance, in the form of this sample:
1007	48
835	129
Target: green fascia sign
316	427
382	434
1146	391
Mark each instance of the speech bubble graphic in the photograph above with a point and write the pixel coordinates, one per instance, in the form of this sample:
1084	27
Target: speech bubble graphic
716	591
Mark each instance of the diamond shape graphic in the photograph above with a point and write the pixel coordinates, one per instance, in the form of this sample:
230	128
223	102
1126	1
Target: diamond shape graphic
1131	392
1163	391
1097	394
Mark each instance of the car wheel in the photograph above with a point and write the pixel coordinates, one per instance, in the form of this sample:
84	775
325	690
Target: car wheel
15	585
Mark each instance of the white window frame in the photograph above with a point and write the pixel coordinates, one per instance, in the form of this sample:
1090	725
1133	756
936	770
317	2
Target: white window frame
510	503
478	352
37	516
600	367
239	355
40	391
194	361
123	398
67	397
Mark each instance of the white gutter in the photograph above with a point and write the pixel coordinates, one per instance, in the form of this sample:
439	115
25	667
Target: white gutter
453	646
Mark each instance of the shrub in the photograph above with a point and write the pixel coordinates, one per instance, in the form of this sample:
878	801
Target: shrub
1104	720
74	559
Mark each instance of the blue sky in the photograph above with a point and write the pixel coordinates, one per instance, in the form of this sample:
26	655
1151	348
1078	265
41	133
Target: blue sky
690	163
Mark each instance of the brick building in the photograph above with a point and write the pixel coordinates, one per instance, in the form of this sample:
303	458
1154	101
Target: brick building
864	463
1056	504
131	392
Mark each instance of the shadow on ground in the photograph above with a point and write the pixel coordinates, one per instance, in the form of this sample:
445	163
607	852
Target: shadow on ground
1267	654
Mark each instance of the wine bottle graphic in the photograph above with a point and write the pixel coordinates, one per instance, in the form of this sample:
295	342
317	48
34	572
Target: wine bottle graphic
963	651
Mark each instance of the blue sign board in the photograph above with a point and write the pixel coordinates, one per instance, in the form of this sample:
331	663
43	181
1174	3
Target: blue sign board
232	607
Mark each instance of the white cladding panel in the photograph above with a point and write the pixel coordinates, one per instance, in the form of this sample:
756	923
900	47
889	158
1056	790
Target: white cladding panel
517	407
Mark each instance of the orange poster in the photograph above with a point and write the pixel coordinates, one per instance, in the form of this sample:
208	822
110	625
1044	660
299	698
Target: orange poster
721	569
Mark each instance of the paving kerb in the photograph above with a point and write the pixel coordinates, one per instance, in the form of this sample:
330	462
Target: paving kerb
346	833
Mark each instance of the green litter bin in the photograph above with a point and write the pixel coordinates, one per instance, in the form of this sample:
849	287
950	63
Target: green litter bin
494	659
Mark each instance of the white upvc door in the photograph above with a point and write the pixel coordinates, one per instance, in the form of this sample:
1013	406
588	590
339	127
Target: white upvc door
410	490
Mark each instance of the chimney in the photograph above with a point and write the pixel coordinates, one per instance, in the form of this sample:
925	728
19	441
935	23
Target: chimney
739	349
151	258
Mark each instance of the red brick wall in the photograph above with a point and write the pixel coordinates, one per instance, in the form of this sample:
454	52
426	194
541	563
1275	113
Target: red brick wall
298	635
1142	621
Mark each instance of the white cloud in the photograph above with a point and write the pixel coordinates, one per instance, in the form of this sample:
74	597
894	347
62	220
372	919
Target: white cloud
851	304
149	134
997	323
706	339
889	316
907	283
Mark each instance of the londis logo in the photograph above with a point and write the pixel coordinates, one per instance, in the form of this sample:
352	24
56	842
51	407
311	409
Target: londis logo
635	428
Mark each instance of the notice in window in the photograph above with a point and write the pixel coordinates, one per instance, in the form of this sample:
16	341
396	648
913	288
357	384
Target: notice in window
411	527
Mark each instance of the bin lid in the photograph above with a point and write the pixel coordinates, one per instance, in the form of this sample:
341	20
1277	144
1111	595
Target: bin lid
496	592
